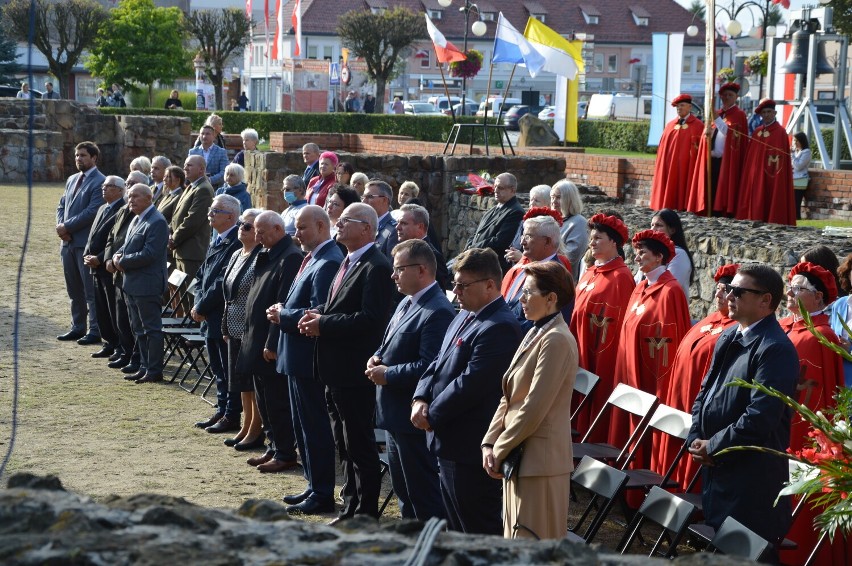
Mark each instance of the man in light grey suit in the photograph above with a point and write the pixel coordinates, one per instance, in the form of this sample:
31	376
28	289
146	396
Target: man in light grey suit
142	260
215	157
74	216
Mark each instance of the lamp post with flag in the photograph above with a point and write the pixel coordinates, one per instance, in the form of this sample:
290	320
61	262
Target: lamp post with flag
479	28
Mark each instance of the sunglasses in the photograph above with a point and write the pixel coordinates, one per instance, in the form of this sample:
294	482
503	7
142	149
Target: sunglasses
246	227
738	292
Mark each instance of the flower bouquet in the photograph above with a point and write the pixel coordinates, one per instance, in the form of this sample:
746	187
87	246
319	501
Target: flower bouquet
725	75
474	184
468	68
756	64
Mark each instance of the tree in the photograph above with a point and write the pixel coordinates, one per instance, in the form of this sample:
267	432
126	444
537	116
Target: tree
220	34
842	19
141	43
698	9
63	31
8	58
379	39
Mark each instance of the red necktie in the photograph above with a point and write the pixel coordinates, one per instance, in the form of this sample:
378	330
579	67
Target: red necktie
339	279
304	264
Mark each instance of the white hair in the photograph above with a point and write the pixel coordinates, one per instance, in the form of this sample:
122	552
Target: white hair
238	169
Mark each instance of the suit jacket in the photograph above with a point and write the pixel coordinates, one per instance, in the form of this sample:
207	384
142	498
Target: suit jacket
497	228
143	256
536	406
158	196
209	294
744	485
308	291
386	236
101	228
115	238
310	172
216	162
274	271
190	226
408	347
353	322
77	212
166	204
462	384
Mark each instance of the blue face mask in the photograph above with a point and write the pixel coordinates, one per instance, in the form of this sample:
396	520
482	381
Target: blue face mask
290	197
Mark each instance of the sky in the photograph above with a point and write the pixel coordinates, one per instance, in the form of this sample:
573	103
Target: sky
746	21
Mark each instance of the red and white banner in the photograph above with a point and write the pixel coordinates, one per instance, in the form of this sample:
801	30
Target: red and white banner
296	20
279	23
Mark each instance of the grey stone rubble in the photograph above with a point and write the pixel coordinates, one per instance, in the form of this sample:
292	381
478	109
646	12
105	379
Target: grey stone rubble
41	523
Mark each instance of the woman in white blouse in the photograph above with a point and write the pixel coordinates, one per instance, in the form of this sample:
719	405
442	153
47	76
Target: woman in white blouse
668	222
801	159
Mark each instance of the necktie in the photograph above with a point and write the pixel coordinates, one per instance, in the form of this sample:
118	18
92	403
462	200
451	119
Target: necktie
470	316
304	264
217	241
339	279
406	304
79	184
516	285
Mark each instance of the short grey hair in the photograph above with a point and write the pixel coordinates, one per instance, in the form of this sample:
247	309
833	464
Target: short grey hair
250	134
540	192
570	202
311	147
508	180
250	212
410	185
272	217
141	163
238	169
359	177
419	214
136	177
296	181
547	227
365	212
162	160
383	187
115	180
229	203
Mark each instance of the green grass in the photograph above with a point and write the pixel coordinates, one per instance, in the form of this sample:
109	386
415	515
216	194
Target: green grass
823	223
617	153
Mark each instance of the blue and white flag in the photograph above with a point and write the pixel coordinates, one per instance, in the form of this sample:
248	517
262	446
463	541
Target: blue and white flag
510	46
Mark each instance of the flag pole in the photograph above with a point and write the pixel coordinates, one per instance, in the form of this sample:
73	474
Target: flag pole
447	92
506	93
710	76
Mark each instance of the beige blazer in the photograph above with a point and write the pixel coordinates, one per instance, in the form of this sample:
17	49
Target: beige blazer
536	404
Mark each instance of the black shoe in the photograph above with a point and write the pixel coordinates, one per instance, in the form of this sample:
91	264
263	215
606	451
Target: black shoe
89	339
119	362
209	422
258	442
134	376
116	355
150	378
106	352
231	441
69	336
223	425
296	499
311	507
130	368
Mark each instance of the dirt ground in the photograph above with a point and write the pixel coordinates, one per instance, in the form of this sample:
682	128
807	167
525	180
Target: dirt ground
82	422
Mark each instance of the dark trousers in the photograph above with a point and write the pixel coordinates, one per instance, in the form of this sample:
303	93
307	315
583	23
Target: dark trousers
126	338
81	290
473	501
715	169
227	403
313	435
414	475
105	307
352	410
146	321
273	401
800	196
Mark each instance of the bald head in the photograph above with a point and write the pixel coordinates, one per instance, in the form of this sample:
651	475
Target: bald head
194	167
269	228
139	198
313	227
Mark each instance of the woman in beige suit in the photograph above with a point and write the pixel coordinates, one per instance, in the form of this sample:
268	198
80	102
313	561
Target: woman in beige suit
536	411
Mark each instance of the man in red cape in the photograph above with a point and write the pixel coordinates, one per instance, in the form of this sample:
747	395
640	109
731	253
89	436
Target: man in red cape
676	157
767	188
727	140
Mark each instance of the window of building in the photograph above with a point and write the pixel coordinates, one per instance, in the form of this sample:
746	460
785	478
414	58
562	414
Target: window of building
641	21
435	14
612	64
426	60
327	51
699	64
489	16
87	88
687	65
312	51
592	20
539	17
599	62
377	11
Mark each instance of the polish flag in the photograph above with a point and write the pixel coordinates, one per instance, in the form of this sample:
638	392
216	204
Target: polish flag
446	51
296	20
279	23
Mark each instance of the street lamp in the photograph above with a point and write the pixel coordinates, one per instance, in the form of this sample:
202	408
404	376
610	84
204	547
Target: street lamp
478	28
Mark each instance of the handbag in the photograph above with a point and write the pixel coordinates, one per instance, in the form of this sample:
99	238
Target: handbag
512	463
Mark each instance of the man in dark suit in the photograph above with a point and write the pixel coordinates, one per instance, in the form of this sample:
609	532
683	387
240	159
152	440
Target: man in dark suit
158	172
378	195
190	229
456	398
74	216
215	158
296	361
209	308
414	224
142	260
275	269
499	224
349	328
127	353
310	154
744	485
411	342
93	257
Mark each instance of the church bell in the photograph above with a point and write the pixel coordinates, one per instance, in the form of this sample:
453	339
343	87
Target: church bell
797	62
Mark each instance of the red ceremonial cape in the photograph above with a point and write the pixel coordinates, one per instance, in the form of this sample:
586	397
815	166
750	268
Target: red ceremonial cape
676	158
733	157
506	284
601	301
691	363
820	374
767	188
656	321
320	186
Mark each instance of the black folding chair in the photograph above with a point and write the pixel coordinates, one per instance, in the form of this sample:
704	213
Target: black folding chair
666	510
606	484
735	539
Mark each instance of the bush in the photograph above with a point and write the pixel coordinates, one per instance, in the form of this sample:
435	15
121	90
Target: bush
139	99
619	136
828	136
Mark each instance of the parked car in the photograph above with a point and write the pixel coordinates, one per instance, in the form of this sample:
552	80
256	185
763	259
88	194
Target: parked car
471	108
494	105
549	112
11	91
421	109
517	112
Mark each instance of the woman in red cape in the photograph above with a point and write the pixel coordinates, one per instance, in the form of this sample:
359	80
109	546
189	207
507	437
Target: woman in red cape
601	301
318	186
691	363
656	321
820	374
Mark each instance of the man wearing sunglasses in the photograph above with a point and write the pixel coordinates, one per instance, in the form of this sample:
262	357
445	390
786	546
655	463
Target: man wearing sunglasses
744	485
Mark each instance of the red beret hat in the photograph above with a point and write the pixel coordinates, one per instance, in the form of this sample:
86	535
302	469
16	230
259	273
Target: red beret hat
612	222
652	235
682	98
765	103
726	271
544	211
730	86
821	273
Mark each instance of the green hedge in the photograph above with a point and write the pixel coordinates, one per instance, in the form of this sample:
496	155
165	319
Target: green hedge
619	136
828	136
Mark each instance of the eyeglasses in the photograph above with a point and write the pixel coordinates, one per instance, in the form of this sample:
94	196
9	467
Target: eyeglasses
369	197
218	211
796	289
346	219
246	227
399	269
527	293
737	292
464	286
110	185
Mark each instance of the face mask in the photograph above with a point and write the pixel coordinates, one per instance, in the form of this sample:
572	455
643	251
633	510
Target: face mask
290	197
